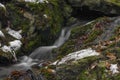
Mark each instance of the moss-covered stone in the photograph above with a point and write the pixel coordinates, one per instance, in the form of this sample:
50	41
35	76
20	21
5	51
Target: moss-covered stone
86	36
105	6
115	2
102	32
39	22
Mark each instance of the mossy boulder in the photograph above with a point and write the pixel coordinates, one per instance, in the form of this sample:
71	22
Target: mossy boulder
105	6
102	35
90	34
39	22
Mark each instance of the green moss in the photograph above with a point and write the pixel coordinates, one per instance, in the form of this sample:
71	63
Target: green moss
116	77
77	32
116	2
76	70
93	35
65	49
81	30
16	17
44	28
98	73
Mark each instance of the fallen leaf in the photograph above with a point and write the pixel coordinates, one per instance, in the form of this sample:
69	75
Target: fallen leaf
111	56
107	65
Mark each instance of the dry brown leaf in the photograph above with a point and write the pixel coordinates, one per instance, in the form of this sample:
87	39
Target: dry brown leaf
107	64
111	56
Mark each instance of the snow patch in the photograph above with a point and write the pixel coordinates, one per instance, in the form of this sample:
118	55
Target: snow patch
6	48
114	68
45	15
89	22
1	5
77	55
14	45
15	34
2	34
37	1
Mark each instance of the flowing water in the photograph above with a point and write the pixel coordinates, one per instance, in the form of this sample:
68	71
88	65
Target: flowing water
41	53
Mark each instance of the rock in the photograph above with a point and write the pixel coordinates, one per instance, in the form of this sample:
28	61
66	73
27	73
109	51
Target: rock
21	75
3	15
41	22
90	34
105	6
29	18
4	61
99	33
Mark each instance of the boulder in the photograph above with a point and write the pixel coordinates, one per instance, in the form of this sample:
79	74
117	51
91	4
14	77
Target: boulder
32	23
105	6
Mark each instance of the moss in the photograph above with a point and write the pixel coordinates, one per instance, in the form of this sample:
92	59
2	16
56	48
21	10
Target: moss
116	77
16	17
76	34
84	71
55	13
67	49
93	35
30	45
81	69
43	28
116	2
76	70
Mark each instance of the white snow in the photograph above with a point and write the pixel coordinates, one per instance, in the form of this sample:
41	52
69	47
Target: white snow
45	15
2	34
37	1
6	48
16	44
77	55
30	0
15	34
89	22
13	45
114	68
1	5
41	1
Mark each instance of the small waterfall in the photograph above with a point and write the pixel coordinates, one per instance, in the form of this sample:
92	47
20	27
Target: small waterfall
43	52
65	33
25	64
40	53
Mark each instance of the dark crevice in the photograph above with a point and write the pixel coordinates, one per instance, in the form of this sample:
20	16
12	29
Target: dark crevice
5	1
85	13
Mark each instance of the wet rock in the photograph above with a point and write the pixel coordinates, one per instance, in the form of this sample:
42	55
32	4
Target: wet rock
102	35
21	75
91	34
3	15
4	61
